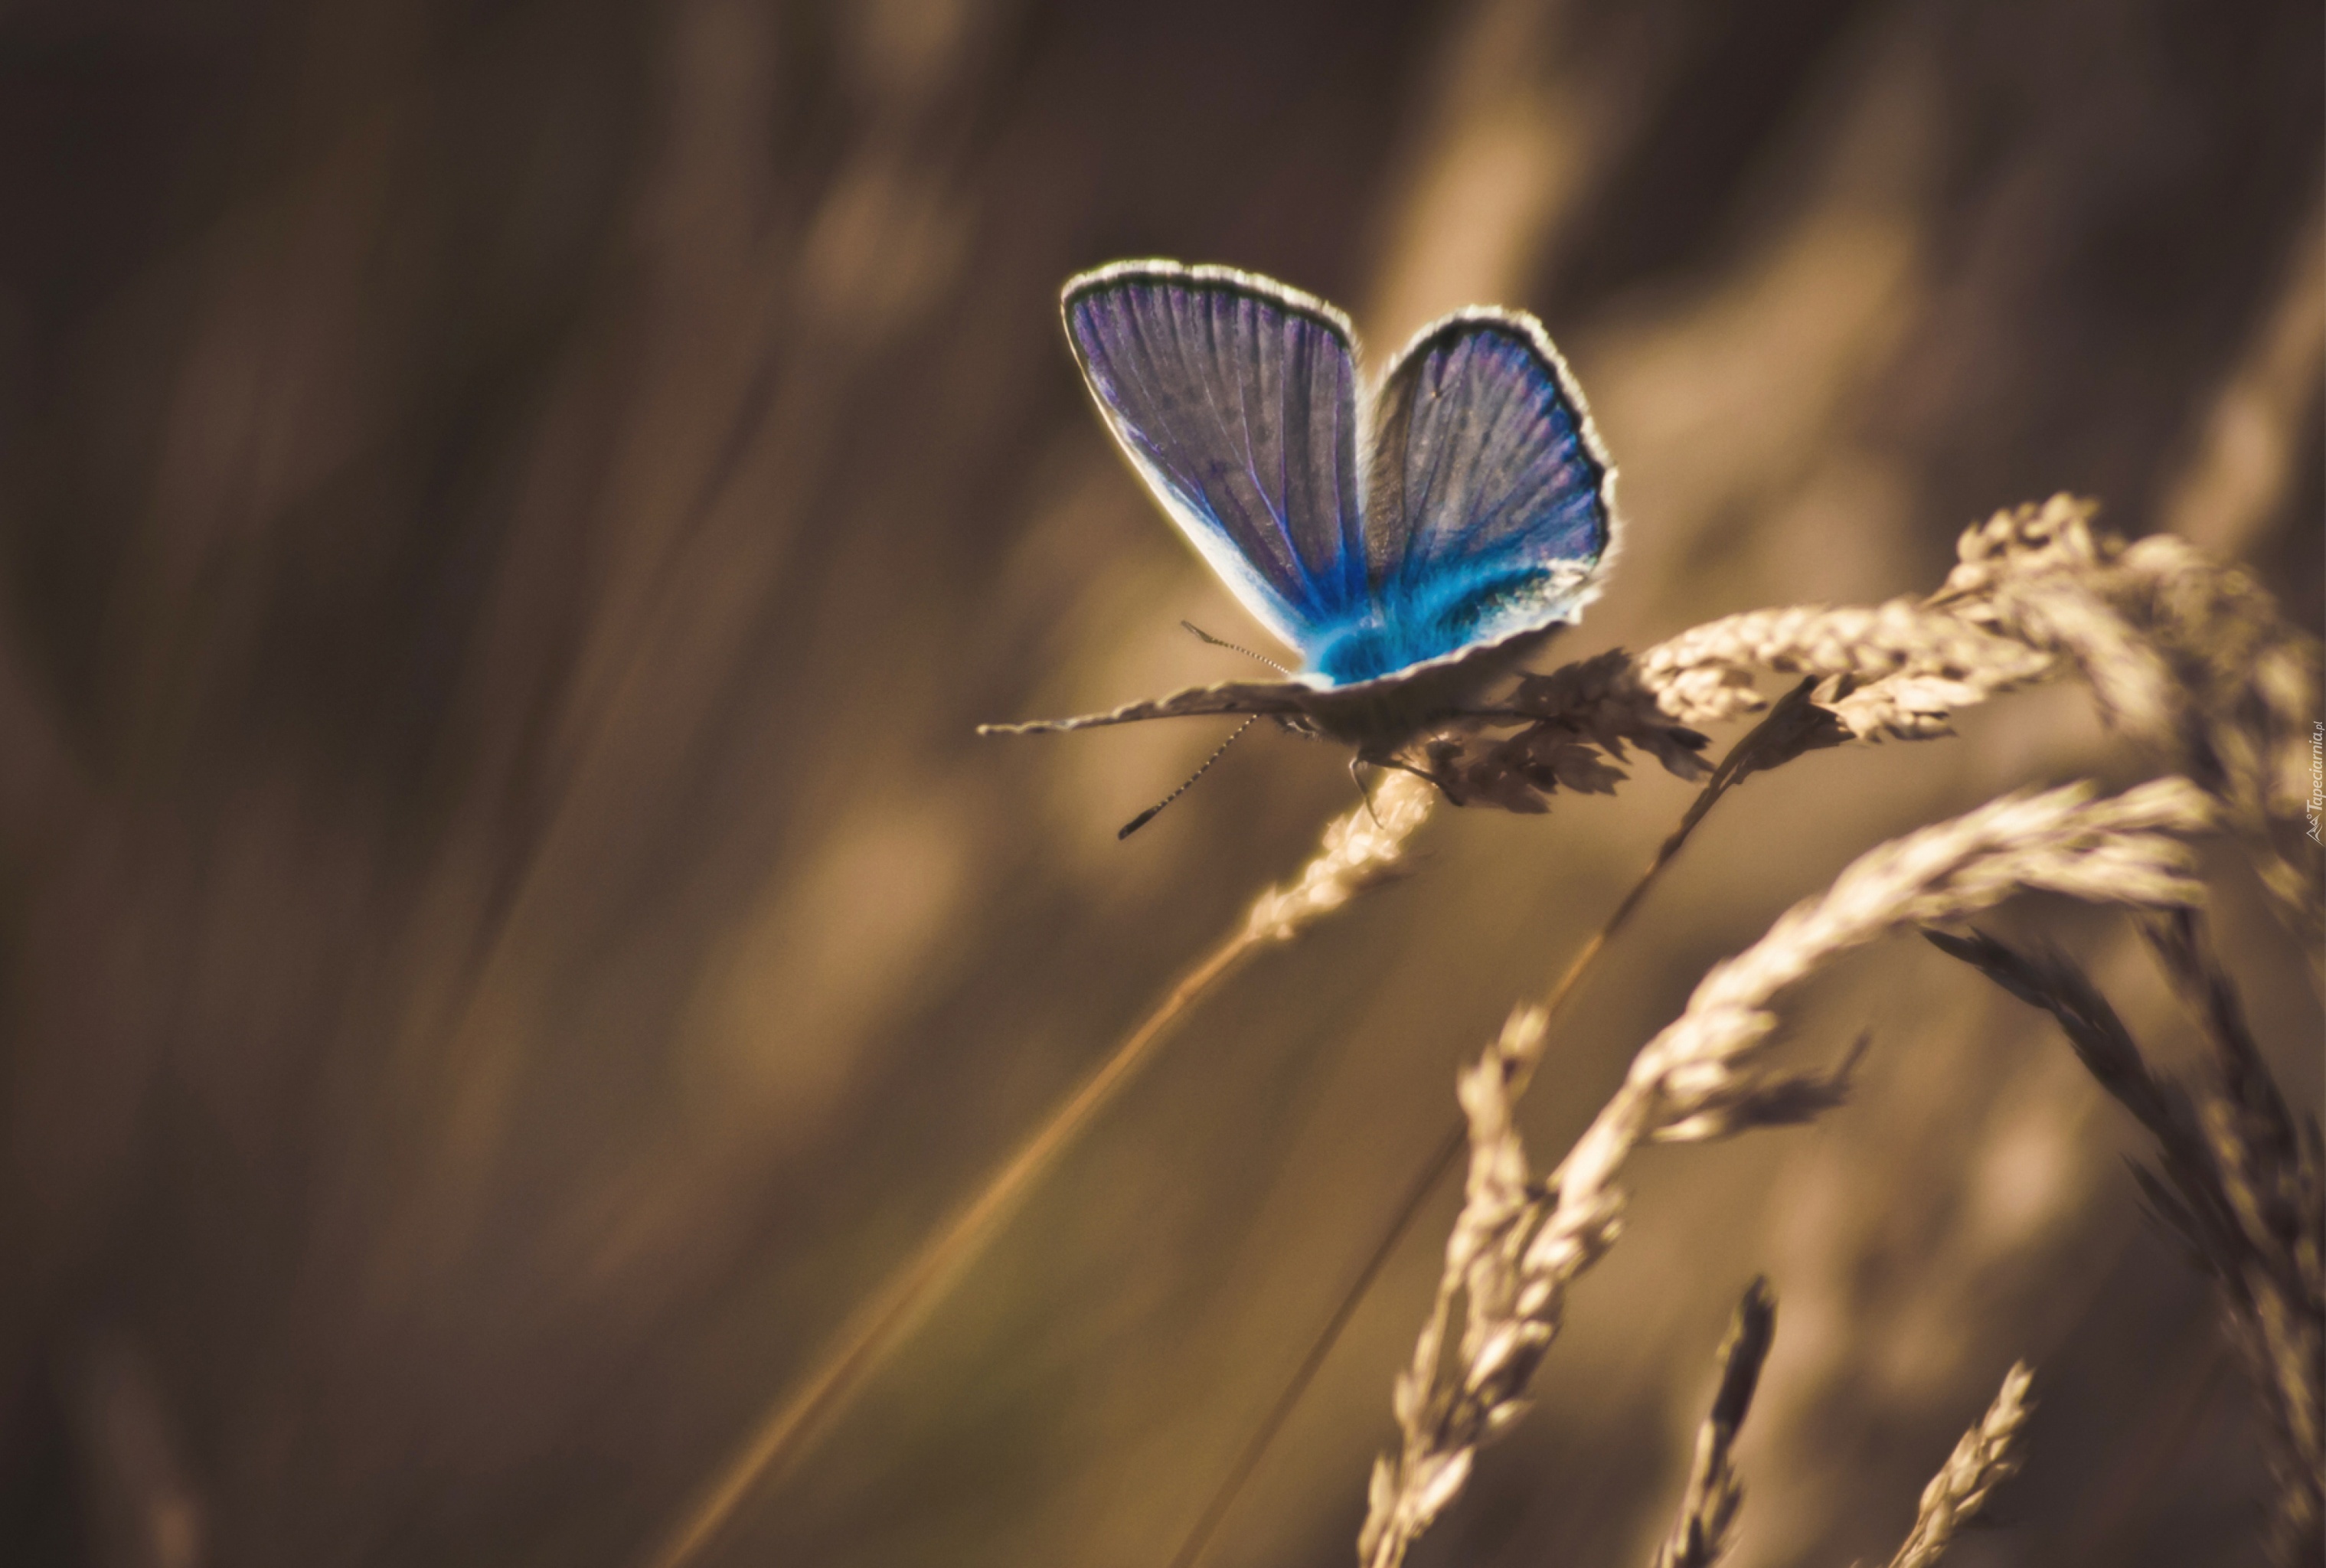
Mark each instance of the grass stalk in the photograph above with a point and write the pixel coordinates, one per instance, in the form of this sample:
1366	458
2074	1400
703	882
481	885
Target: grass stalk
1360	849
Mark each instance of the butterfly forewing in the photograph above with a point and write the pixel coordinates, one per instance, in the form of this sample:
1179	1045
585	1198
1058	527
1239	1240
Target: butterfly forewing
1488	504
1235	398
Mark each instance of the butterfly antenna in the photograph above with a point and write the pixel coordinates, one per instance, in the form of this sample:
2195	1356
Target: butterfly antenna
1149	814
1234	648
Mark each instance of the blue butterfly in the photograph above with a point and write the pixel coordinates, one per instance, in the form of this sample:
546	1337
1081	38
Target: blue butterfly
1414	545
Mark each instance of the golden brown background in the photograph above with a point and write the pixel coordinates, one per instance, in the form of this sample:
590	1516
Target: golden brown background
512	511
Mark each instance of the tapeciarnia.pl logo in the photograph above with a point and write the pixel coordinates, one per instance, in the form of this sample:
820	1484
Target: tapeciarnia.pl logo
2317	775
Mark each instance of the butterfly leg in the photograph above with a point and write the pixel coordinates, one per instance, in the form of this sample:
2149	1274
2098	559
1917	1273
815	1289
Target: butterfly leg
1357	777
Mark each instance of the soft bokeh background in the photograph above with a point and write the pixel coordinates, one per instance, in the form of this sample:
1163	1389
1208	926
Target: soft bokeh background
511	512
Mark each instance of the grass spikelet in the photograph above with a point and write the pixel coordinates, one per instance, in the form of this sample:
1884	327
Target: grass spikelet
1576	723
1360	848
1900	669
1706	1528
1987	1456
2190	658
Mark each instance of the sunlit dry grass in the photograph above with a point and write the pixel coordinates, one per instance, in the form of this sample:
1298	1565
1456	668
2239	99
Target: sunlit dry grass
2218	676
509	517
2237	1179
2037	590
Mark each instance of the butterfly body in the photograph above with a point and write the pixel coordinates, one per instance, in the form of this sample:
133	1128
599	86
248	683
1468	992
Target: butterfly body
1377	715
1412	543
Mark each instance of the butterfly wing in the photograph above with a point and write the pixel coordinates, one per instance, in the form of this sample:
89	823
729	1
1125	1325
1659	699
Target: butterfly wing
1235	398
1287	697
1489	507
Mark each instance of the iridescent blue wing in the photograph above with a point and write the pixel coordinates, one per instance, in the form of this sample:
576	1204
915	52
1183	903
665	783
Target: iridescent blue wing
1489	506
1235	398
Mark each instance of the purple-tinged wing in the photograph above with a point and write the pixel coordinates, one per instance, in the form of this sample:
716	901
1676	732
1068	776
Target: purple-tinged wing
1490	502
1235	398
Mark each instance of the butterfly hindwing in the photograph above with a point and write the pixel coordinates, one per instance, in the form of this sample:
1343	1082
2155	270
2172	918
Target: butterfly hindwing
1488	507
1235	398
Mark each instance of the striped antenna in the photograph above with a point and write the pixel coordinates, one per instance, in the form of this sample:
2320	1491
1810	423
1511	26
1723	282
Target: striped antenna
1236	648
1149	814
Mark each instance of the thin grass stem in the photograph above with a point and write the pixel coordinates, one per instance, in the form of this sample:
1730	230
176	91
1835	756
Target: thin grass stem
882	1321
1360	848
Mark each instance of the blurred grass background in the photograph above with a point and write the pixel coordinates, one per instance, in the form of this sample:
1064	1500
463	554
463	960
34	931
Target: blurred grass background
508	514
